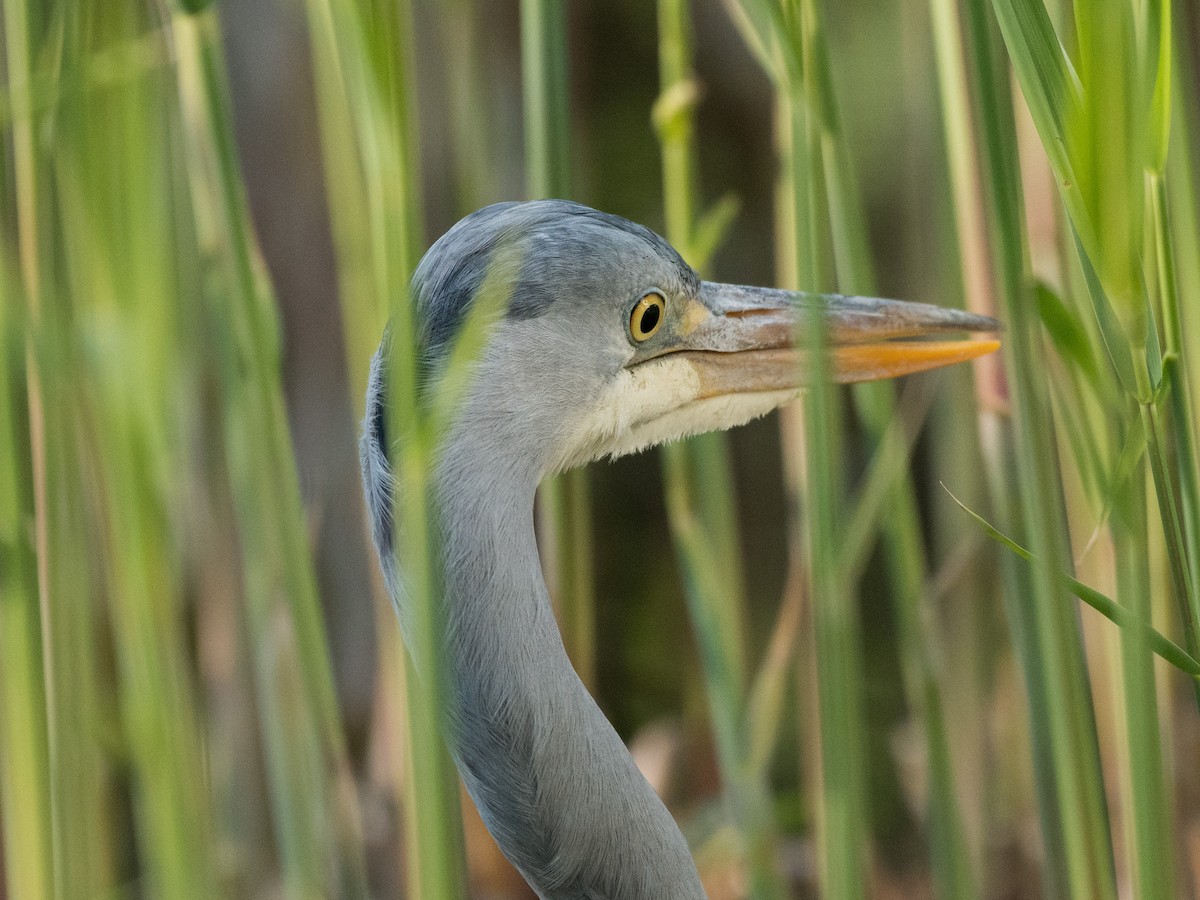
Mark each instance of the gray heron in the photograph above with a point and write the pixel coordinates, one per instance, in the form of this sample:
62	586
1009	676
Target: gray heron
608	343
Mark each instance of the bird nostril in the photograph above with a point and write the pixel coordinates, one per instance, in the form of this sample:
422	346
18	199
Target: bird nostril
753	311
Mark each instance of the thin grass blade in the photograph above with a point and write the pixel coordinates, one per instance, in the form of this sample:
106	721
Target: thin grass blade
698	484
1071	794
25	807
564	501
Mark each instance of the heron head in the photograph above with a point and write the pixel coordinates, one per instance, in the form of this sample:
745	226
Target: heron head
609	342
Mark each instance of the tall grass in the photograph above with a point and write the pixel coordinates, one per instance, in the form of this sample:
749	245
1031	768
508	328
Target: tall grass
316	817
1072	794
1046	635
366	89
24	785
133	242
698	483
819	199
157	590
84	212
1098	152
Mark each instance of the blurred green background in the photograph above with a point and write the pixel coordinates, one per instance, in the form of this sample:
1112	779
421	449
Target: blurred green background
202	694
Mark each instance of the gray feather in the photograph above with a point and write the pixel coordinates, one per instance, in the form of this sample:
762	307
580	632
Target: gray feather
555	236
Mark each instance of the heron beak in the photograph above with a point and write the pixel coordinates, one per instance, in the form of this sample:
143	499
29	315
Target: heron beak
745	340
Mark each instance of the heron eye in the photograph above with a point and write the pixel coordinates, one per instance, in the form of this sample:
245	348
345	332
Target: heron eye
647	317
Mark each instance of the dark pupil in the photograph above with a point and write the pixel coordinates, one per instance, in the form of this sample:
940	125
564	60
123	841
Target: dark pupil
649	318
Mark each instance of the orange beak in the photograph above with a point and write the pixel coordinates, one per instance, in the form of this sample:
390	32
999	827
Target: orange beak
747	339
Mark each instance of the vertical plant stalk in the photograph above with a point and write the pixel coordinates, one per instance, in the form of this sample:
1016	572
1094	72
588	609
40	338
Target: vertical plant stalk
1071	793
25	807
1180	432
1148	835
546	87
838	631
788	233
315	812
975	254
435	851
1176	223
780	32
1102	130
843	811
363	51
1180	183
125	424
70	679
900	526
699	493
564	501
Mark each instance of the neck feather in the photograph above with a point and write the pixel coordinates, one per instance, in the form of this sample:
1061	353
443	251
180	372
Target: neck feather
552	779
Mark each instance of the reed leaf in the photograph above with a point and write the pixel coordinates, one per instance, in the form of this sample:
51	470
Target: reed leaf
564	501
365	80
72	684
1070	790
1110	609
316	824
875	406
109	200
697	476
24	762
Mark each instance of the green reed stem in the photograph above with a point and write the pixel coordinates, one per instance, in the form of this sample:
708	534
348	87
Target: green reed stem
315	815
545	75
1178	410
71	683
1148	842
436	866
1071	795
436	863
900	525
366	88
1176	224
698	483
844	812
25	807
127	422
988	476
565	509
1182	165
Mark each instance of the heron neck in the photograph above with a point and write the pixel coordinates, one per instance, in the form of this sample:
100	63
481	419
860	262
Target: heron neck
552	779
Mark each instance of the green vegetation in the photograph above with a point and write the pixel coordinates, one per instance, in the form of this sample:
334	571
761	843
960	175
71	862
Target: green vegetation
921	702
698	484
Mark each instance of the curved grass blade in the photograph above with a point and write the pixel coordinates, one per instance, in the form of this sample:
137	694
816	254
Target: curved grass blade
1110	609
